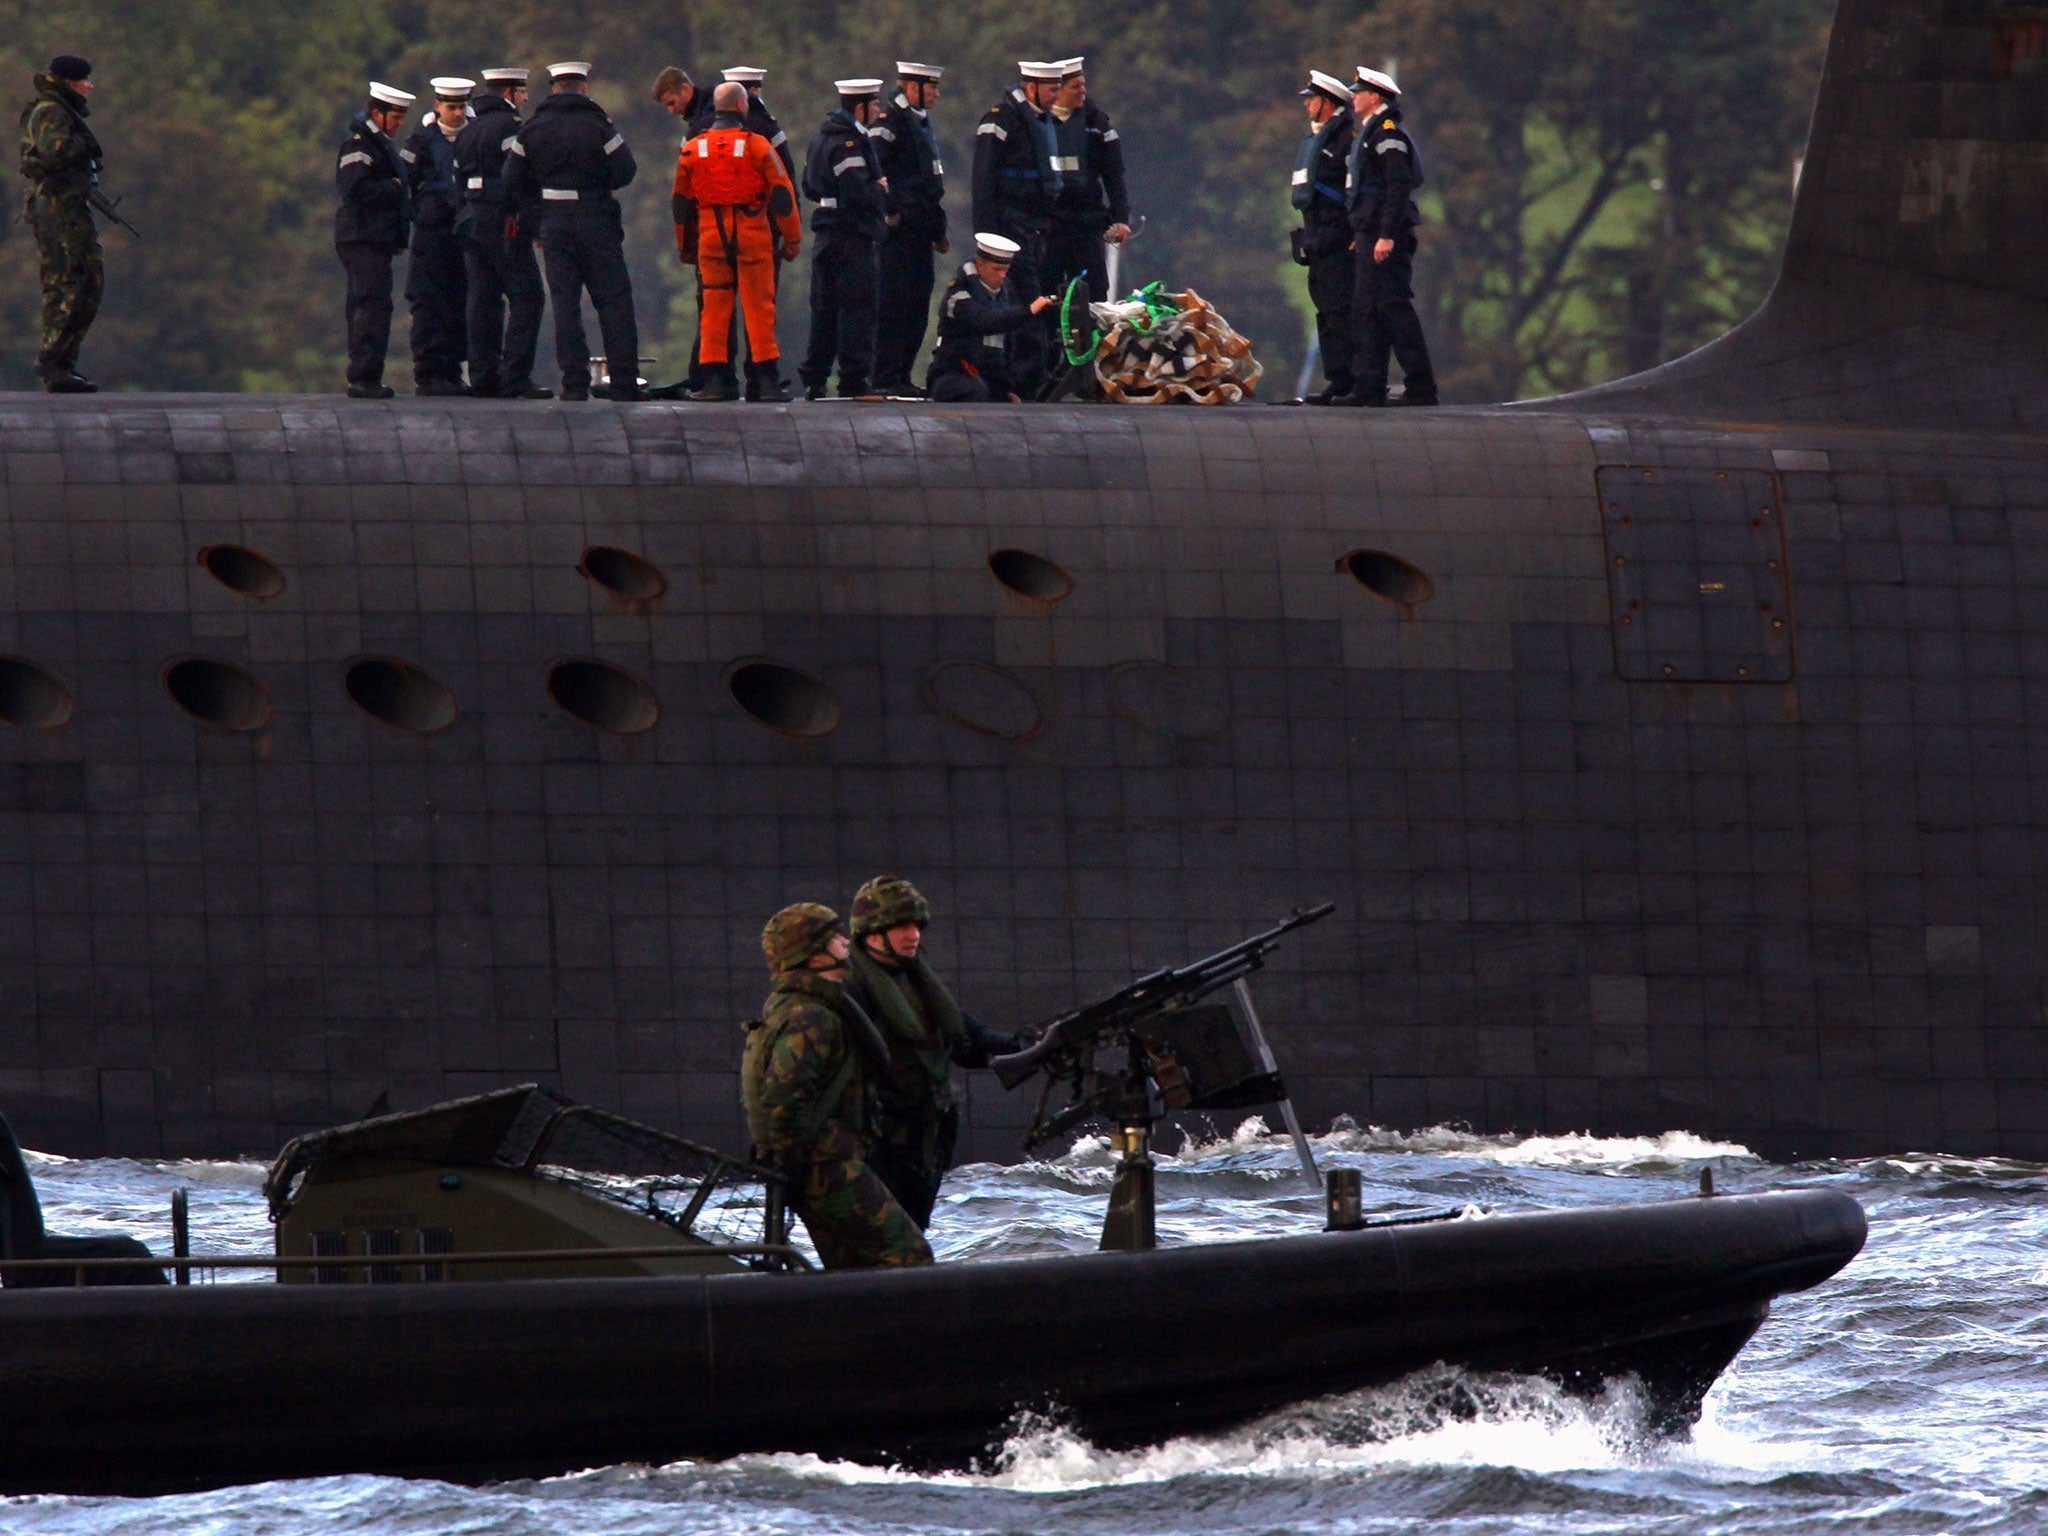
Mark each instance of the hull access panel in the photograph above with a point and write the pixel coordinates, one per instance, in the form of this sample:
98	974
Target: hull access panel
1697	580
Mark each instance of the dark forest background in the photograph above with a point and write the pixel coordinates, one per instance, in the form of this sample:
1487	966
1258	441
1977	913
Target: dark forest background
1608	179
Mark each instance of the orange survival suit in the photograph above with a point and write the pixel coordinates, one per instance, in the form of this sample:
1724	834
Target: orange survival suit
735	213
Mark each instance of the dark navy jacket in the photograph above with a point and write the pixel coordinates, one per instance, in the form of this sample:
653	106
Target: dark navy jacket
436	194
480	152
568	156
975	327
909	153
374	182
844	178
1385	171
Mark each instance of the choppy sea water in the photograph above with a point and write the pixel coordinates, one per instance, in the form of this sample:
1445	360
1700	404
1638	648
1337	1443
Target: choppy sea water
1909	1394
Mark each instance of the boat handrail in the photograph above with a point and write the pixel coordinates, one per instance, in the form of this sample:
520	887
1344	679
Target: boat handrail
783	1252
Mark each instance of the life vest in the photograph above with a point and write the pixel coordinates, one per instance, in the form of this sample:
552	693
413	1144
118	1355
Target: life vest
1308	160
721	173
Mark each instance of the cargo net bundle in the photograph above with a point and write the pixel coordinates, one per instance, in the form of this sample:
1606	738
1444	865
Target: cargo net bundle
714	1197
1160	348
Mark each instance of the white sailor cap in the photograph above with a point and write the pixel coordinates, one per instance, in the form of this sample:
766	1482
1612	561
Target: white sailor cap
390	95
452	88
857	88
570	69
506	76
996	248
906	71
1038	69
1070	67
1373	80
1320	84
746	74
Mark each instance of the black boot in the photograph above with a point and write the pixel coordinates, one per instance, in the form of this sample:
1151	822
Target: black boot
1419	392
1362	397
765	382
719	386
370	391
69	382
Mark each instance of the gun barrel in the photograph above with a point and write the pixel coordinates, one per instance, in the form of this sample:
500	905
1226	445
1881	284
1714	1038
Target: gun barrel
1077	1032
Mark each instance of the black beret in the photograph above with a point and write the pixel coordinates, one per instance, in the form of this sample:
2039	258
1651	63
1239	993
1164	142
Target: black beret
69	66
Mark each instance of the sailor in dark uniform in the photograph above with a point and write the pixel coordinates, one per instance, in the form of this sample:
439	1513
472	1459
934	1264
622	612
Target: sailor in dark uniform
1016	187
1094	205
909	153
374	183
435	287
1384	174
497	253
1323	243
982	314
843	177
566	163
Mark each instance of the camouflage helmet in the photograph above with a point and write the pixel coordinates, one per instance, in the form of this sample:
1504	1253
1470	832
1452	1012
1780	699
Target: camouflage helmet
885	902
796	933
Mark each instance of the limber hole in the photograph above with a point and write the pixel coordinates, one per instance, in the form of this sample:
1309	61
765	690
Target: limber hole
603	697
218	693
242	570
32	698
623	573
1030	575
400	694
783	699
1388	576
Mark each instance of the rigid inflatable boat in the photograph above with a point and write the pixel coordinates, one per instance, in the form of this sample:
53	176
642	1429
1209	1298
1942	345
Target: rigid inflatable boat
516	1286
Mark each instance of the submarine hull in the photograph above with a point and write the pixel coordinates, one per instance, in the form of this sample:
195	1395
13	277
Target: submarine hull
156	1390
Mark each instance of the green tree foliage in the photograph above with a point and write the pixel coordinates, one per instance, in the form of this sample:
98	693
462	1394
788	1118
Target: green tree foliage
1608	178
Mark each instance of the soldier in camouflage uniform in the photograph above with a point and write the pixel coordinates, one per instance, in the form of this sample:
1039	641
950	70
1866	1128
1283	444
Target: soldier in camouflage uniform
804	1082
917	1120
61	159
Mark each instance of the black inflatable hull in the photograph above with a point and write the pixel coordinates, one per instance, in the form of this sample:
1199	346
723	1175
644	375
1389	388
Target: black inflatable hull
134	1392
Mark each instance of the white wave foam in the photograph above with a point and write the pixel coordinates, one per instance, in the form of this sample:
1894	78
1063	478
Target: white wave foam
1436	1418
1575	1150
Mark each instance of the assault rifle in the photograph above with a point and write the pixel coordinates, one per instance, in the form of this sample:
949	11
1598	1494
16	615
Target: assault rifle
110	208
1115	1052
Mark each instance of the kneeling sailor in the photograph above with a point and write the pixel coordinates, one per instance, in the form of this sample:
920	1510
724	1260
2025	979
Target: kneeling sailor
981	312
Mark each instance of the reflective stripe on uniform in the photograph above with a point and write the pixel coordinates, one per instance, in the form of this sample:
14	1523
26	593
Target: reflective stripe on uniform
1300	178
1109	135
739	149
879	132
938	166
780	139
516	147
703	148
996	341
1066	162
476	183
1387	144
356	157
994	128
850	163
615	143
560	195
407	156
828	202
